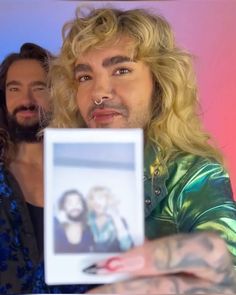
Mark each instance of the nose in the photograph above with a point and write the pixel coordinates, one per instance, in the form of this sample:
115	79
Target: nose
28	96
102	89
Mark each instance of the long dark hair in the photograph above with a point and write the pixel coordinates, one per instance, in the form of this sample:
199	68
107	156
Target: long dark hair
27	51
63	199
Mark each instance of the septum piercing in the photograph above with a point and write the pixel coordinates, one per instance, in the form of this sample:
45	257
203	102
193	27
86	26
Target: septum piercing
100	101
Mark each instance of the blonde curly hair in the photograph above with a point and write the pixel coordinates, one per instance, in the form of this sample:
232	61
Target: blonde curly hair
175	125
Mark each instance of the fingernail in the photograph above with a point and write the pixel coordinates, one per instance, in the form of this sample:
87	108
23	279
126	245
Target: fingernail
116	264
92	269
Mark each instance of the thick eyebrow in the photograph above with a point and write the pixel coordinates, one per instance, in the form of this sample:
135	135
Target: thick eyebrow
116	60
107	62
17	83
82	68
38	83
13	82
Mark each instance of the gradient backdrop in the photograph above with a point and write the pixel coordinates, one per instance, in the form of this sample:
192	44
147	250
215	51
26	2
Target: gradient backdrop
204	27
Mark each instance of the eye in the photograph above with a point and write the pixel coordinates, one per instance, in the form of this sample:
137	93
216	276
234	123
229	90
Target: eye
122	71
39	88
13	89
83	78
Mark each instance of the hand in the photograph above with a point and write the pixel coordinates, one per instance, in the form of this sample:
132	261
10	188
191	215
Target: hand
180	264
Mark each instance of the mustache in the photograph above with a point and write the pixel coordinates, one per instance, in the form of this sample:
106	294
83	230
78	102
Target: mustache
43	115
123	110
31	107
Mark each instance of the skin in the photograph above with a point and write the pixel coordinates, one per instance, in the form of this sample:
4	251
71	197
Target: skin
98	202
127	86
181	264
73	208
73	205
26	85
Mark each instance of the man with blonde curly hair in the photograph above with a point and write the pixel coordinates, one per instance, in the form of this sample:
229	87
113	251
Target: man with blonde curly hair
123	69
109	228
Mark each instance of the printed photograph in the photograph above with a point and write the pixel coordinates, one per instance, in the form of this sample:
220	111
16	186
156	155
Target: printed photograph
94	196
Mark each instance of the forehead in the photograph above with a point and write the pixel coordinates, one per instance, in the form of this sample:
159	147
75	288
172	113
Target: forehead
124	46
72	197
26	69
101	194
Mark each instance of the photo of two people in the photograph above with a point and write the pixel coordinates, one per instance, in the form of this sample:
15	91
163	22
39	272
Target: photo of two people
94	206
91	224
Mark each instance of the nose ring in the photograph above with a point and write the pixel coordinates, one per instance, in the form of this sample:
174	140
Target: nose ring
98	102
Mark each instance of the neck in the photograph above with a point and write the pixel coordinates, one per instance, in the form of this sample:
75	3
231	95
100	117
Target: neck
31	153
27	167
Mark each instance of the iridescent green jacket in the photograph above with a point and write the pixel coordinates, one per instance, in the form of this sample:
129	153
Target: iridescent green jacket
190	194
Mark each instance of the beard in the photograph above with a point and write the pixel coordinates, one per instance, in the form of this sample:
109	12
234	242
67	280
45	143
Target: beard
77	218
26	133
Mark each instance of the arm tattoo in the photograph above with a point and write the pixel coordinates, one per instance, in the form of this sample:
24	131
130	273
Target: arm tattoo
196	264
199	255
174	284
148	285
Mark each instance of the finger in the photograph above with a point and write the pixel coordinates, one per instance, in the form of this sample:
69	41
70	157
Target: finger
202	255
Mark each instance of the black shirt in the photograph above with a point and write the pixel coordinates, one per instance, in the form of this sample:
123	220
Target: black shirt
21	267
36	215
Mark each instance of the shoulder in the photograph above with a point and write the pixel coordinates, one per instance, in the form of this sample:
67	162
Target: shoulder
191	175
186	167
189	162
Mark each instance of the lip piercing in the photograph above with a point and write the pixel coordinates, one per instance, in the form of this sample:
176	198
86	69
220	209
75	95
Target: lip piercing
98	102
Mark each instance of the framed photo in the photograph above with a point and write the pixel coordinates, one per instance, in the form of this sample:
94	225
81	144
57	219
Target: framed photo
94	204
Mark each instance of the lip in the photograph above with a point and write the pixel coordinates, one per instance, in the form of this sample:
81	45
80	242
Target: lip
75	212
104	115
27	113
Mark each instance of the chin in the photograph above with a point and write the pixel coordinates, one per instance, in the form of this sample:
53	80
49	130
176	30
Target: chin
28	123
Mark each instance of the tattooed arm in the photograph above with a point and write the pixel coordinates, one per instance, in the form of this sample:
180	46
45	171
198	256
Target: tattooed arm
180	264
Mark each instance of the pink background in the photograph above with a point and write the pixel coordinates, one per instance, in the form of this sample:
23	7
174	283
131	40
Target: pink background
205	27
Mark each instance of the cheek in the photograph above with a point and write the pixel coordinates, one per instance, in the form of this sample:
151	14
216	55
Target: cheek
45	105
136	95
144	95
126	92
43	99
81	103
10	103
